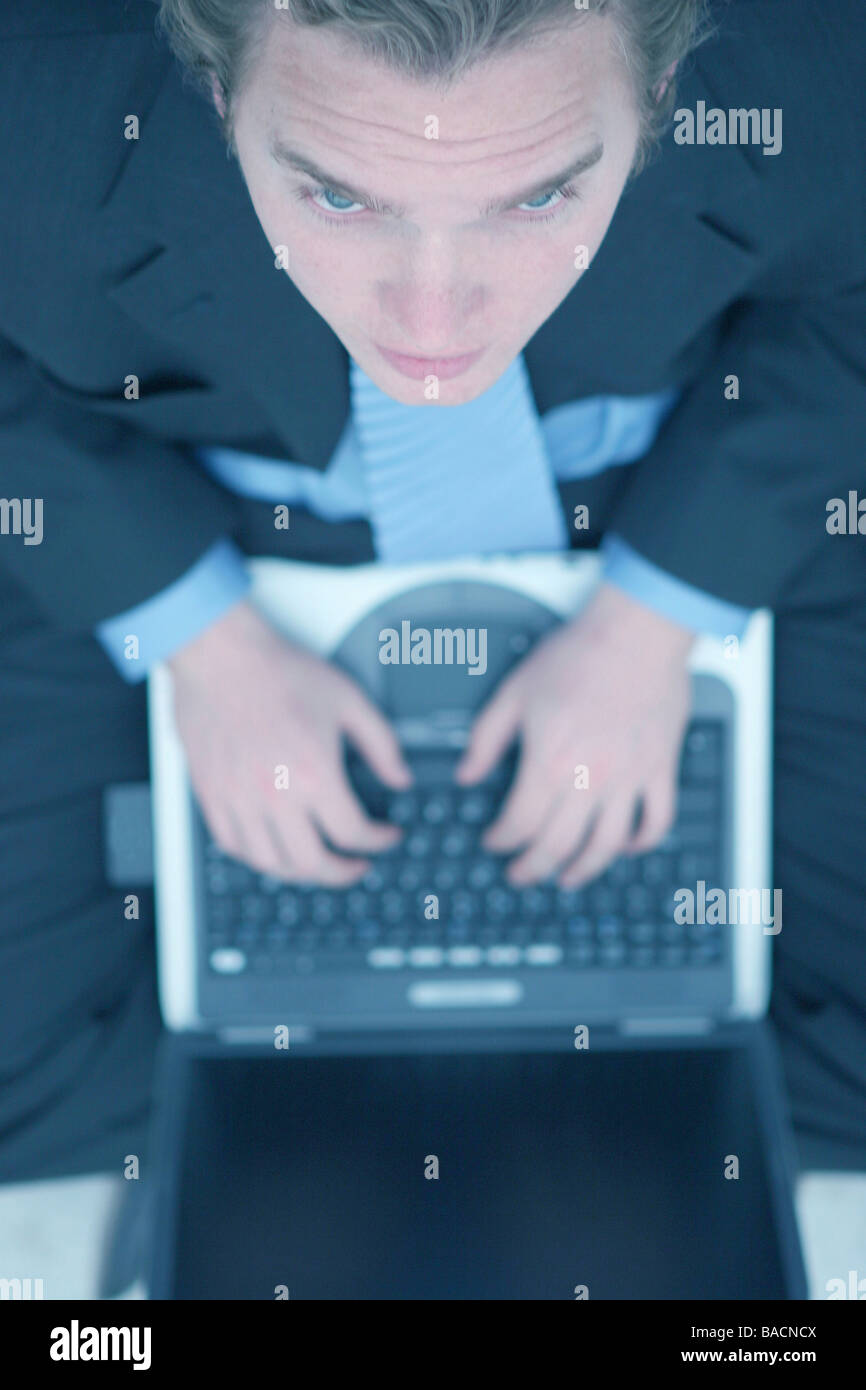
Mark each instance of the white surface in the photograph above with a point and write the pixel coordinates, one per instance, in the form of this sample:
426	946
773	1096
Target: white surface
54	1231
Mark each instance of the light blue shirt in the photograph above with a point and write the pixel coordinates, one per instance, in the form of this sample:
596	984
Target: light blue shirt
580	438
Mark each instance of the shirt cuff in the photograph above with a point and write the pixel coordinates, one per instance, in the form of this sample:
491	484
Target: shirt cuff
137	639
673	598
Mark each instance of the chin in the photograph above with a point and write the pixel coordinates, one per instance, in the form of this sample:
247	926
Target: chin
457	391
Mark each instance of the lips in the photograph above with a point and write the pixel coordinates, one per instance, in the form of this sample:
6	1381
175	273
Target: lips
420	367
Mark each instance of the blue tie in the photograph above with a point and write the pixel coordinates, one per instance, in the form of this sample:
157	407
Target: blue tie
489	454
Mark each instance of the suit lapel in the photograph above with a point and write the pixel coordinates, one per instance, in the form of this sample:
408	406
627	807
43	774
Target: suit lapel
209	284
674	257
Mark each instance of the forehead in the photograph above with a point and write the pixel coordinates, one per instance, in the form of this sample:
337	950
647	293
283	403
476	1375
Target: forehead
551	92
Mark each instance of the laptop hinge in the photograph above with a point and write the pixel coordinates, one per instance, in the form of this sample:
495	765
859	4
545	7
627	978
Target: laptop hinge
664	1027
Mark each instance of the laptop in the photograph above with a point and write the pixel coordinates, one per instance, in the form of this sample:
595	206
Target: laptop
434	938
433	1085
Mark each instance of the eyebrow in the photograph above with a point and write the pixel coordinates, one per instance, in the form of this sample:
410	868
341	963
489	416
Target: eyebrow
295	159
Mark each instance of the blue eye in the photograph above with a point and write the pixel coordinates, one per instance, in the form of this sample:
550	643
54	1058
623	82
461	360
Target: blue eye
334	202
542	203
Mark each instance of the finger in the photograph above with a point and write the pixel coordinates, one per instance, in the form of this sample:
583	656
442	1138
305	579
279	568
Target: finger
657	816
249	844
374	738
301	853
223	830
533	793
556	843
606	841
492	731
345	822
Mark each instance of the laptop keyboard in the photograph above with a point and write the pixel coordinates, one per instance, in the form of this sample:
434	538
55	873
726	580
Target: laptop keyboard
438	901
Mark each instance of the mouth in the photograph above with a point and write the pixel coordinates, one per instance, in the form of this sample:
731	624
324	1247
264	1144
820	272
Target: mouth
420	367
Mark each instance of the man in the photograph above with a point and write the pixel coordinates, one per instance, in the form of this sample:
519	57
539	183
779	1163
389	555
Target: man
432	305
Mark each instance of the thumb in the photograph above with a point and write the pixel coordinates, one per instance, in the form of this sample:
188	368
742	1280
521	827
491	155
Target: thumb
491	734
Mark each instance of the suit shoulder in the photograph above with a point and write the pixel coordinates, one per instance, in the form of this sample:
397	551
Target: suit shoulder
63	104
59	19
778	45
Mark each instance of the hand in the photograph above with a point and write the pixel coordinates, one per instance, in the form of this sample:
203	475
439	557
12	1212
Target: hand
247	701
610	693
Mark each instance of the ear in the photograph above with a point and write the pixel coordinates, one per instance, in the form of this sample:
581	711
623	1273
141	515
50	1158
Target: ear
217	95
665	82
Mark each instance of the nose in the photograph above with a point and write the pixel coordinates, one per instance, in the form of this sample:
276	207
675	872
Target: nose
432	302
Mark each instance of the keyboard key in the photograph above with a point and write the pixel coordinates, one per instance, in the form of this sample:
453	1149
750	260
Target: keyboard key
228	961
288	909
465	905
386	958
410	877
622	871
474	808
482	873
581	955
500	902
426	957
436	810
456	842
543	954
358	903
609	929
220	911
419	844
612	953
579	928
374	879
602	900
569	901
642	933
445	877
639	900
655	868
403	809
323	908
463	956
503	955
700	801
395	907
397	936
707	954
535	902
549	931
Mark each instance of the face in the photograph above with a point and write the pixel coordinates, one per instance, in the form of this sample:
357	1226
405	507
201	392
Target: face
435	229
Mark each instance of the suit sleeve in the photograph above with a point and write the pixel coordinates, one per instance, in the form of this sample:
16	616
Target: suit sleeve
732	497
124	514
